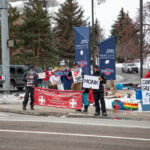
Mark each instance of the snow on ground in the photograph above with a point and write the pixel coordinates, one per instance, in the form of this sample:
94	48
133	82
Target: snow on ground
11	98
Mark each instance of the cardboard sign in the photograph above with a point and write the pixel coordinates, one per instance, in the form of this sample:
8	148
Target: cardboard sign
42	75
76	74
91	82
54	80
60	86
145	85
30	79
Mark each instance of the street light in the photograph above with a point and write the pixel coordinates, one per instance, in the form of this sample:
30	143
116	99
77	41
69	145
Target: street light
141	38
93	28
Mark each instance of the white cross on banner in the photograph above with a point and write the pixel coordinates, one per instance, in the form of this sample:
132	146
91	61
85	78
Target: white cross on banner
41	100
73	103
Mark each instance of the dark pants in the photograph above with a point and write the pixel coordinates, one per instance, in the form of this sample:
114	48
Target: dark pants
29	91
99	97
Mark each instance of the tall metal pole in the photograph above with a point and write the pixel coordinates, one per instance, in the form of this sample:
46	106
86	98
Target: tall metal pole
5	49
141	38
93	33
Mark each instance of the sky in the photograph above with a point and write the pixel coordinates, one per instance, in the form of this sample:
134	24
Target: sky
108	11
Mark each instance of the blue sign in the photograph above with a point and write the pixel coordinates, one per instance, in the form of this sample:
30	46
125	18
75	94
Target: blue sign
107	58
82	49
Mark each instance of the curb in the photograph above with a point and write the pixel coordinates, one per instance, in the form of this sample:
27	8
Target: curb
74	115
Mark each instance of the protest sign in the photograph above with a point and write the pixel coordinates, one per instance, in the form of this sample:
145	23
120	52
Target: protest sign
54	80
60	86
76	74
30	78
58	98
145	84
42	75
91	82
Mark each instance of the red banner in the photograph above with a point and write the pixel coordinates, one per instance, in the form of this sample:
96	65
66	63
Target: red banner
58	98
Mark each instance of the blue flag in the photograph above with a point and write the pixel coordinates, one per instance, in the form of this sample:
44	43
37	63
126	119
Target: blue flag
107	58
82	48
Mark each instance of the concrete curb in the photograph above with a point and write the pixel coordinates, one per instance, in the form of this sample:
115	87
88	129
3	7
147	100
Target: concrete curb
75	115
32	112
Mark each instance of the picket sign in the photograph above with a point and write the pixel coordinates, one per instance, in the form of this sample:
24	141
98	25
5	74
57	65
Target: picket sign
30	79
77	75
42	75
145	84
91	82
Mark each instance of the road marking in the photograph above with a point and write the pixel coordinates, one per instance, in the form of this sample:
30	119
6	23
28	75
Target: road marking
4	115
72	134
80	123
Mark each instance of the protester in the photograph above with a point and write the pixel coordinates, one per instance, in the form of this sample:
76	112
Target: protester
30	78
99	94
76	86
147	75
67	80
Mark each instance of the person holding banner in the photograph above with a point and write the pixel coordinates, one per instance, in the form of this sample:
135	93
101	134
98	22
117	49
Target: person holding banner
30	78
99	93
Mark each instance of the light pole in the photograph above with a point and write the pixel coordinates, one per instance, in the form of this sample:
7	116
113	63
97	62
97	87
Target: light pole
93	33
141	38
5	49
93	29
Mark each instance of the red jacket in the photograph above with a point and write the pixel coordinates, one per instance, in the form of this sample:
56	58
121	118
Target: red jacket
147	75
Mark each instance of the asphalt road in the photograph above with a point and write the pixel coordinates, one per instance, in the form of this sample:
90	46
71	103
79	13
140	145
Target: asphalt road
20	132
128	78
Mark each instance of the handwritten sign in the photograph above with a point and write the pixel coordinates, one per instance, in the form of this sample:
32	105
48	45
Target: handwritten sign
145	85
91	82
76	74
42	75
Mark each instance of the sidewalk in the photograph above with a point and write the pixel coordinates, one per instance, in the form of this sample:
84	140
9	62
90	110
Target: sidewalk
16	107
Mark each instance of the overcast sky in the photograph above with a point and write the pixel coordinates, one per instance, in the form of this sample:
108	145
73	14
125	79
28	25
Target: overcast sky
107	12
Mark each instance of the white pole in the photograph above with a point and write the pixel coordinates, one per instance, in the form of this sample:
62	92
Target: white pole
5	49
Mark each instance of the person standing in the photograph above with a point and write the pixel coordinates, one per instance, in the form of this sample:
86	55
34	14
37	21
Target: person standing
30	78
99	94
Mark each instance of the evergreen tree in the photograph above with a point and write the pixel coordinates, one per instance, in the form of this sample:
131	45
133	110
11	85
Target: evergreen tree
37	37
127	37
68	16
14	23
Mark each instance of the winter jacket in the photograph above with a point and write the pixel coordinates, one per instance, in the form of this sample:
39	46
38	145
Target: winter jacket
30	77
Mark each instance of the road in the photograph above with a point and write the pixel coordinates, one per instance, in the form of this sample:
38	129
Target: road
21	132
128	77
